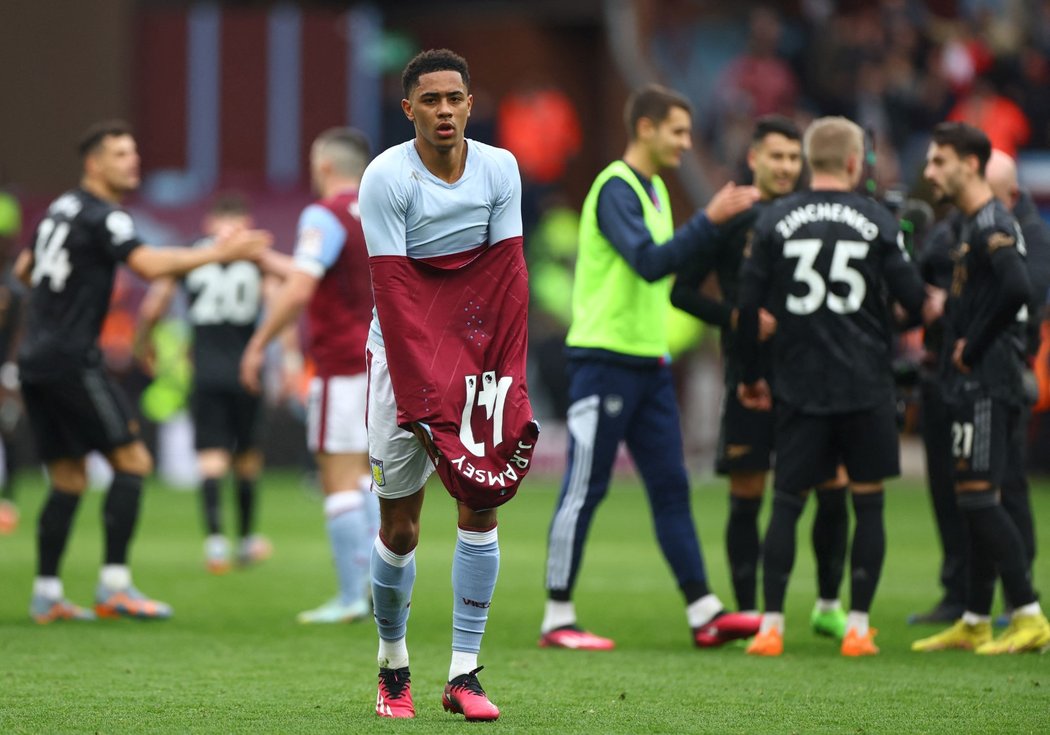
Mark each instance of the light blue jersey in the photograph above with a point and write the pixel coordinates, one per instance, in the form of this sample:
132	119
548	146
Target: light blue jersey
407	211
321	239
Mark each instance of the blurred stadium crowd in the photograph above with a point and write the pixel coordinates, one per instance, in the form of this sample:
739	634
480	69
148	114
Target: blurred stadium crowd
896	67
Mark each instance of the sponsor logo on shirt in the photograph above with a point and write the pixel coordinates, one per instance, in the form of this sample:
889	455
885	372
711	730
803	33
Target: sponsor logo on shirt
311	240
121	228
999	240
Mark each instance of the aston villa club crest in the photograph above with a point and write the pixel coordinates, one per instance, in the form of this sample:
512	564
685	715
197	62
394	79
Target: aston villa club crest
378	478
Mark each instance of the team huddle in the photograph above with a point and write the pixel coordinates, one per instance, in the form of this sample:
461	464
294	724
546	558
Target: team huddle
410	271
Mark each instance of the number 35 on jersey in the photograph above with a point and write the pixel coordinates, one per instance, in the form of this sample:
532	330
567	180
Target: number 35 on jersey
807	250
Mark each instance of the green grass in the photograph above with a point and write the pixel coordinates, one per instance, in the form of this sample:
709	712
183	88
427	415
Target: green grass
233	660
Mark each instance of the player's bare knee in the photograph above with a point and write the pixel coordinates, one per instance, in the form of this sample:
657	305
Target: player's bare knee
248	463
213	462
400	535
865	488
972	486
747	485
341	471
132	459
399	522
68	475
841	479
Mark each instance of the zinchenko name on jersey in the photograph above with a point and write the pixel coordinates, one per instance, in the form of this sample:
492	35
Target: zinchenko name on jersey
827	212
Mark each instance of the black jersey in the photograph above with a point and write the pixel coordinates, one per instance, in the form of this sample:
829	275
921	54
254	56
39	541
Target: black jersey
986	306
828	264
76	249
1037	259
936	266
224	305
723	258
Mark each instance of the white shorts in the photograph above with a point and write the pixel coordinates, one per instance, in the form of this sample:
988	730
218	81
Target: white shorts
400	465
335	414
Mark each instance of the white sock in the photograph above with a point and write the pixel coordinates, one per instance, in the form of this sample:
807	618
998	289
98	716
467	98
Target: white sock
115	577
700	612
1032	608
49	587
558	614
857	621
216	545
972	618
393	654
826	606
463	662
772	621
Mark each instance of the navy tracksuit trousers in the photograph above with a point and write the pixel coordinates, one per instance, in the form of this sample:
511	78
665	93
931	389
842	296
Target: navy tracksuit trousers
609	403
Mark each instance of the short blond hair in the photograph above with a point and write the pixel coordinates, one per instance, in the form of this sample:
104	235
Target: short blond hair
830	141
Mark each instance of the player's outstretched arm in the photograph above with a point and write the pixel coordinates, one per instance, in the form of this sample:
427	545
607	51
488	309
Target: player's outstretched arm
275	264
688	294
151	262
287	305
621	220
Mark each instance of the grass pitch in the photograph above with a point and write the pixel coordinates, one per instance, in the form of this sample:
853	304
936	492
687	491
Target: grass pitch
234	661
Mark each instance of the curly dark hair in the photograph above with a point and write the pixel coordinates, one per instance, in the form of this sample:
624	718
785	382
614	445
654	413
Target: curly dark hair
425	62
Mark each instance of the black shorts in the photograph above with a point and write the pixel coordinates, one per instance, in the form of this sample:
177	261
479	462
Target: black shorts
810	448
225	419
78	413
745	437
982	435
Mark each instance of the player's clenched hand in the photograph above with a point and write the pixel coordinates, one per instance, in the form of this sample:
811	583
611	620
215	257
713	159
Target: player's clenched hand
730	201
767	325
933	307
243	244
755	396
251	367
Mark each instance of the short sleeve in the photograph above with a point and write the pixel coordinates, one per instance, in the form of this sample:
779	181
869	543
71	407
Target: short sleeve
383	208
119	235
505	221
320	240
1003	235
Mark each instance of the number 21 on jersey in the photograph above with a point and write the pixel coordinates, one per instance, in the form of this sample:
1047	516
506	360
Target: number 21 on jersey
807	250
